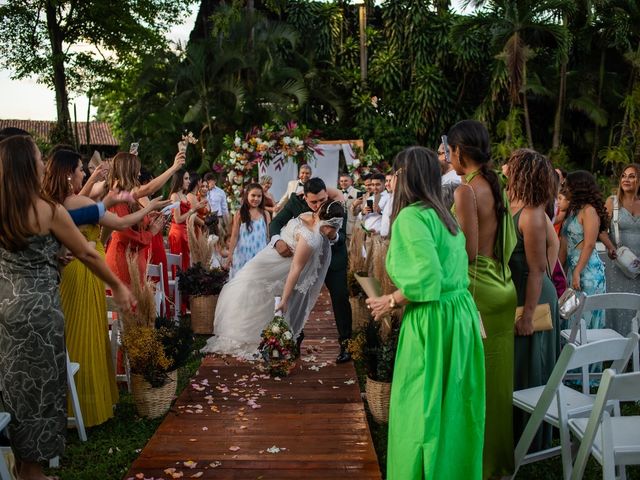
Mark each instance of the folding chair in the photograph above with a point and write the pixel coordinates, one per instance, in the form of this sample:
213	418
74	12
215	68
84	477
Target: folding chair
174	260
154	270
613	441
580	334
5	418
569	403
115	329
76	420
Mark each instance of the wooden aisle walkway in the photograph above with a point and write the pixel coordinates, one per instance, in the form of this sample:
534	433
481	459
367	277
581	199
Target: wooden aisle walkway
233	421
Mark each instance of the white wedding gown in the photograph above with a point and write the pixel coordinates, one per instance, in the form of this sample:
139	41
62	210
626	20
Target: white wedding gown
246	304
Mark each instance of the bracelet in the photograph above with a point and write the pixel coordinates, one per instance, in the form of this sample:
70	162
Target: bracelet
392	302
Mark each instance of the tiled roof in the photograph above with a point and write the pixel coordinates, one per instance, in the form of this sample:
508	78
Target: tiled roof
100	132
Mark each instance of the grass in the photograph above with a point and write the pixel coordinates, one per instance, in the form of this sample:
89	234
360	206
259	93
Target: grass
550	469
115	444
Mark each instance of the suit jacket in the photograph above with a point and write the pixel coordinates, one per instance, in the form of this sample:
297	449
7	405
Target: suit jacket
294	207
292	186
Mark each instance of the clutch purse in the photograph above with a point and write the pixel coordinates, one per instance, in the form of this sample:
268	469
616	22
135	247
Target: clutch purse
570	302
541	317
627	261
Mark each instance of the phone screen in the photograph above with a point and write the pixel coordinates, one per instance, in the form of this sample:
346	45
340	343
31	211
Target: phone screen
359	194
370	202
445	145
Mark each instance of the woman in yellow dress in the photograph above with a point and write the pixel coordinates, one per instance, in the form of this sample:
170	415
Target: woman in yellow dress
83	294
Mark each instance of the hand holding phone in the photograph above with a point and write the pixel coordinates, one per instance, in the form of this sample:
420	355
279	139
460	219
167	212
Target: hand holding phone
445	146
370	203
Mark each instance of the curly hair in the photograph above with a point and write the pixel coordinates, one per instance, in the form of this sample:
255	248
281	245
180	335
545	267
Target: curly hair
582	190
532	179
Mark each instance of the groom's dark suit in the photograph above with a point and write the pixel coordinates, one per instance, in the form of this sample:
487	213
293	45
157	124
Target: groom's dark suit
336	279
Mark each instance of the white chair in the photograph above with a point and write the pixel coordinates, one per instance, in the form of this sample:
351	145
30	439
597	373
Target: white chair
76	420
5	418
174	259
613	441
580	334
115	329
154	270
569	403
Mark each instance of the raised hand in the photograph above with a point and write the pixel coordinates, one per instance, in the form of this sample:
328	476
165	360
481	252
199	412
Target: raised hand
158	203
114	197
179	160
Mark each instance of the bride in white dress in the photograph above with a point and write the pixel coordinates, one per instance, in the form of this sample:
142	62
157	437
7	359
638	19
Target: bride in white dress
247	303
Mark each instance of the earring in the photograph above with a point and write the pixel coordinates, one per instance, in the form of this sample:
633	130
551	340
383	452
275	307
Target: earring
70	184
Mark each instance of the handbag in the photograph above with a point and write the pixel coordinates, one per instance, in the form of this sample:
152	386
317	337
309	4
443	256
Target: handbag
570	302
626	260
542	320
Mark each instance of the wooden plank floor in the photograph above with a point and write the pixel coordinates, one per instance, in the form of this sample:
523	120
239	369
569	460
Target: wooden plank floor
233	421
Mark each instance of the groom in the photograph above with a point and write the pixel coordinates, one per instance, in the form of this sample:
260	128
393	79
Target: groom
315	194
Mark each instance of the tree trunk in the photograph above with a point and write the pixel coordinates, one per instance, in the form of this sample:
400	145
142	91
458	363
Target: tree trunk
596	133
63	133
557	121
525	106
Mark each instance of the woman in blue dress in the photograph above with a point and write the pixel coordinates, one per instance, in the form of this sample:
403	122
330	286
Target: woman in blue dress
586	219
250	229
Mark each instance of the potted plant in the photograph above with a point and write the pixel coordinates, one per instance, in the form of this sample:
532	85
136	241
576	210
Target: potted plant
202	285
154	348
374	349
359	312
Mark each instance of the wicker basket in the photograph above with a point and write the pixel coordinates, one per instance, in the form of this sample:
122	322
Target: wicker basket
153	402
203	309
378	395
359	313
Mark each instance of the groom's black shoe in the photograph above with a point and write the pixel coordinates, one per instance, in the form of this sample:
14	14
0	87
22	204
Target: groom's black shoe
299	343
344	355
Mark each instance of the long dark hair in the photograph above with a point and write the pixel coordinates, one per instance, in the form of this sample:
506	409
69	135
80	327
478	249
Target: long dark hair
419	180
472	138
194	179
19	191
245	214
60	166
177	181
581	188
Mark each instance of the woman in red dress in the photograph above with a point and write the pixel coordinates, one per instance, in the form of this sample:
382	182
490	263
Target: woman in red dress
123	175
178	239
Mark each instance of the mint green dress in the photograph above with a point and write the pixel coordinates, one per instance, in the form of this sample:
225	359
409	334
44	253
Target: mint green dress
437	410
496	299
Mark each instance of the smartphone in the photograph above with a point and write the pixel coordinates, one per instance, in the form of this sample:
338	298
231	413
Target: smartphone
359	194
445	145
133	148
370	202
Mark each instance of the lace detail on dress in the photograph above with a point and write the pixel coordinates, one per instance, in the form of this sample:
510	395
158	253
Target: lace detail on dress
291	233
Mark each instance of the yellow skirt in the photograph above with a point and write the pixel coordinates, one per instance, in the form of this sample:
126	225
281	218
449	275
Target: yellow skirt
87	336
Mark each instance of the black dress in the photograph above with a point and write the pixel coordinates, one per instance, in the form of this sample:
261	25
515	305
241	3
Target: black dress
33	363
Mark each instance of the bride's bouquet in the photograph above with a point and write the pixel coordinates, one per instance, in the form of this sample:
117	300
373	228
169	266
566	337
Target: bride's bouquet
277	347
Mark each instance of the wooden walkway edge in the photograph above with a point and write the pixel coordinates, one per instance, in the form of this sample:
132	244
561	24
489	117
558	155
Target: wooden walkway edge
233	421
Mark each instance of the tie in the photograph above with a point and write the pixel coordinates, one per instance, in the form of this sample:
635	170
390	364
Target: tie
345	192
300	184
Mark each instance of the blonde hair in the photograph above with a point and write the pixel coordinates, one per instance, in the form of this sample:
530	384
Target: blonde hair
124	171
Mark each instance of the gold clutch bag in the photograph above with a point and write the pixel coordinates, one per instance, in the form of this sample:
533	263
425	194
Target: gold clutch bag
541	317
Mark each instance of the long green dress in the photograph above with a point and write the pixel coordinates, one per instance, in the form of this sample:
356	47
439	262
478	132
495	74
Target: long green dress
535	355
495	296
437	411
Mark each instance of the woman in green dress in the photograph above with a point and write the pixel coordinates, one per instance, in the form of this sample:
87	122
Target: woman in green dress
481	207
532	184
437	411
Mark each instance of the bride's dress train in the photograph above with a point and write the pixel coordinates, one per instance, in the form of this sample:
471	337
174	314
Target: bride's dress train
246	304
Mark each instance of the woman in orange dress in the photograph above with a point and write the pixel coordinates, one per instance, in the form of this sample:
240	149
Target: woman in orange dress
195	197
178	239
123	175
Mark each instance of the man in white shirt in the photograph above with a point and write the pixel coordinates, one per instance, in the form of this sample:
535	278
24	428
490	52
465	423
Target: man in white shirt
216	197
449	175
371	214
295	186
345	182
385	223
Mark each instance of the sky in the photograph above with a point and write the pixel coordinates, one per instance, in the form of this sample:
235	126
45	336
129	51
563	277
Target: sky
29	100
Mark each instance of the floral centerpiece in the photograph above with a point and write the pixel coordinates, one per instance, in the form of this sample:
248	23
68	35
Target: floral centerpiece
277	347
243	153
367	162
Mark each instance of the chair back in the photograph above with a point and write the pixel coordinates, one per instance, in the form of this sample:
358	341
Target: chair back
173	260
616	350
